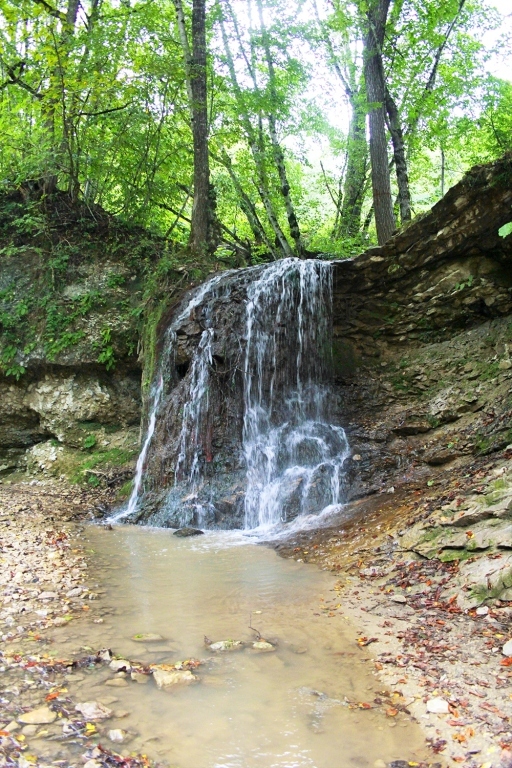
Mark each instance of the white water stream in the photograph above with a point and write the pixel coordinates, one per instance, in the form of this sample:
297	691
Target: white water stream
293	454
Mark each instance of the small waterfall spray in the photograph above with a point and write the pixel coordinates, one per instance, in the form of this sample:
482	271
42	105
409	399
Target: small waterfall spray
293	455
164	374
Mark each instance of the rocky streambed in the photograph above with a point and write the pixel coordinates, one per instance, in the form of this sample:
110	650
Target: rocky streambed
381	646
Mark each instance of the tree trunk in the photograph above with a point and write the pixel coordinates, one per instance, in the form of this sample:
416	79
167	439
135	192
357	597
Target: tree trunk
199	234
354	187
276	146
375	94
203	230
256	144
402	177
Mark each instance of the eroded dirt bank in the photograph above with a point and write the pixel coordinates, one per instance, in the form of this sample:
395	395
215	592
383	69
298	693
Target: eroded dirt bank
425	575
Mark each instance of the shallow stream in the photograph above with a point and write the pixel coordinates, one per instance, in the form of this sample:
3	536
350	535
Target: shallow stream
293	707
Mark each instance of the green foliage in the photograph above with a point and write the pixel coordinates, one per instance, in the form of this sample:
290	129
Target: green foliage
89	442
505	230
115	457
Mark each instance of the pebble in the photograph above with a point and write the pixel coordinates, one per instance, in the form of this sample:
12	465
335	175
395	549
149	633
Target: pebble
438	706
482	610
40	716
226	645
93	710
120	665
12	726
262	645
507	648
188	532
29	730
117	735
117	682
165	679
398	599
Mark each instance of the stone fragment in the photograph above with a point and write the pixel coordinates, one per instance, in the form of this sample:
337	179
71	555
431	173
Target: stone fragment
30	730
168	679
184	532
262	645
398	598
93	710
507	648
117	735
226	645
40	716
116	682
438	706
120	665
482	610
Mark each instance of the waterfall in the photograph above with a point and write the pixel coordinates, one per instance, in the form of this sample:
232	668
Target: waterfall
258	431
164	374
294	455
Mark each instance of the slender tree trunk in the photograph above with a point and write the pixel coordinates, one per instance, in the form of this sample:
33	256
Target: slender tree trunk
204	229
293	222
201	214
397	138
375	93
256	145
246	205
443	170
357	165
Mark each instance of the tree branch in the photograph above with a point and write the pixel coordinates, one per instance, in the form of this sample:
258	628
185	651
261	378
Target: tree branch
51	10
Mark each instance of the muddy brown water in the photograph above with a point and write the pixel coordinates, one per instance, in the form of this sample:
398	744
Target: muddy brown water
282	709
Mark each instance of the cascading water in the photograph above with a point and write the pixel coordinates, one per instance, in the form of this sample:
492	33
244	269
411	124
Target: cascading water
253	429
165	375
293	454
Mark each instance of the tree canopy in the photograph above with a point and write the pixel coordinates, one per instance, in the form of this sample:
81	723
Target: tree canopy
275	127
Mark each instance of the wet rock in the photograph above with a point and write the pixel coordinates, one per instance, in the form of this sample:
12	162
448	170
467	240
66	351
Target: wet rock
438	457
412	428
93	711
29	730
117	735
169	679
226	645
120	665
40	716
116	682
262	645
184	532
438	706
147	637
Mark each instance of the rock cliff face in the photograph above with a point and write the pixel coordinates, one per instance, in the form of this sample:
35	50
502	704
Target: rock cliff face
421	359
71	285
422	334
